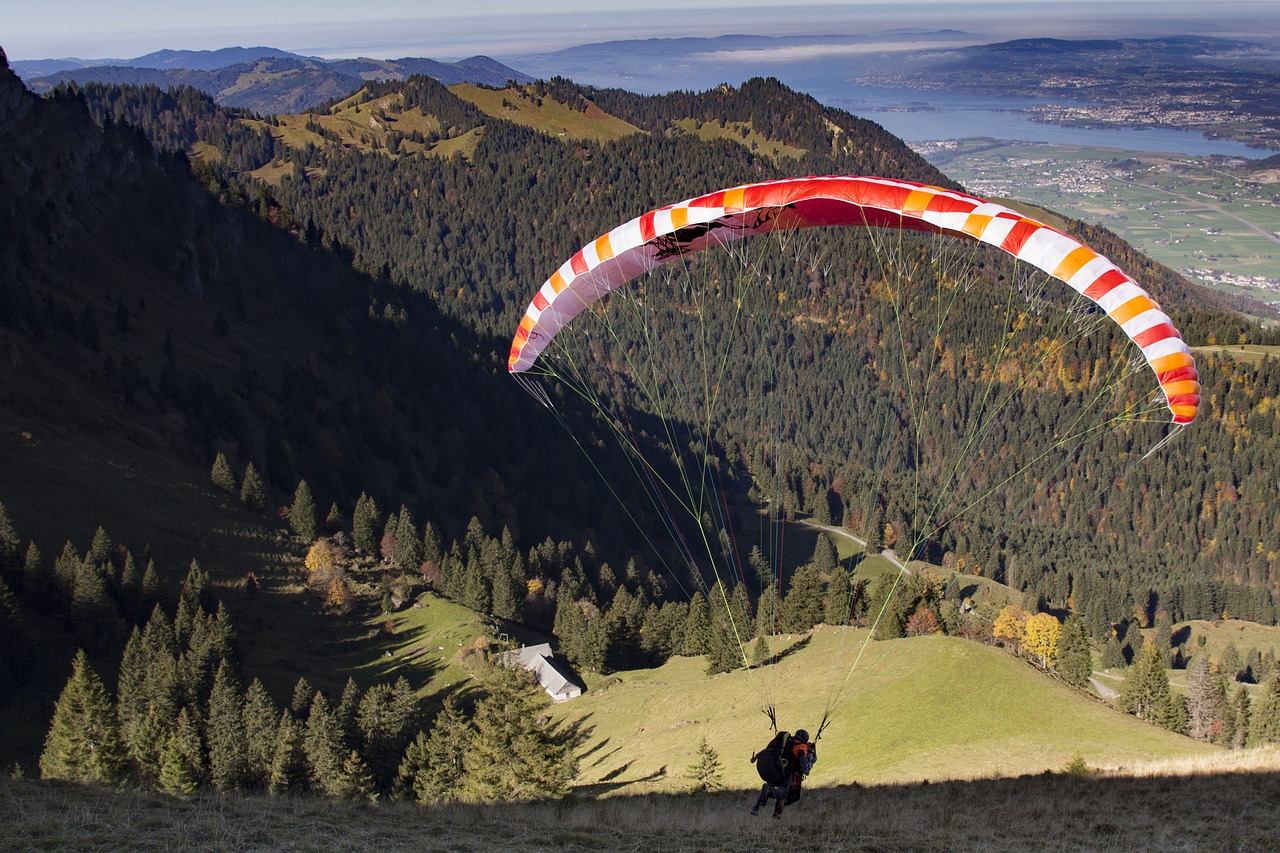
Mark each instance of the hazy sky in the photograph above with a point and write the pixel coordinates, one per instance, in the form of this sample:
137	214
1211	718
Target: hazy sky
394	28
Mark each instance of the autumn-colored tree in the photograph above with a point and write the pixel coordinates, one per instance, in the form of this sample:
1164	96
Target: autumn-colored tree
1040	635
922	622
320	563
1010	625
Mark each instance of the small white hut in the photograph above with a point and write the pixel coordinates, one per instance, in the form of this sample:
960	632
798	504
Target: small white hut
539	660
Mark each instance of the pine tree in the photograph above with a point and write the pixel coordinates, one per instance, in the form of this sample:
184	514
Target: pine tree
182	763
514	755
365	520
434	765
825	557
698	628
354	780
1265	725
408	550
222	475
288	758
802	606
253	492
10	547
83	744
303	516
37	584
1204	700
1113	653
300	703
261	717
705	771
152	589
839	603
345	713
195	588
1075	661
323	746
1146	693
1242	712
228	760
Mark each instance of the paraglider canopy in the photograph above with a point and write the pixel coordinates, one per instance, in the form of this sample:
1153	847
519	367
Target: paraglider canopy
648	241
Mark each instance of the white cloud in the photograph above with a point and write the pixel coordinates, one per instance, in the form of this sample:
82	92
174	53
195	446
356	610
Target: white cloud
807	52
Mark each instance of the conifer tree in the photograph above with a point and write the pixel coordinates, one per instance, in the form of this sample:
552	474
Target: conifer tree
825	557
802	606
1113	653
253	491
1204	699
323	746
222	475
288	759
100	547
1265	725
83	744
1075	661
65	569
365	521
182	764
303	516
152	589
839	602
10	547
1242	713
37	585
355	780
514	755
432	546
131	587
345	713
228	760
698	627
195	587
261	717
705	771
434	765
408	549
1146	693
300	703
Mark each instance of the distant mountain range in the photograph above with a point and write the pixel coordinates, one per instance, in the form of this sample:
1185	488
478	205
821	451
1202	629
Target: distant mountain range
263	79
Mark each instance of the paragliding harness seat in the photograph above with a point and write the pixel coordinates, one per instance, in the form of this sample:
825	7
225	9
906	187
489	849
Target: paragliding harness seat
775	766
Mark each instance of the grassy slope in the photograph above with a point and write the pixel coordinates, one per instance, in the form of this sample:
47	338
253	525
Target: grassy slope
922	708
741	133
548	116
1219	806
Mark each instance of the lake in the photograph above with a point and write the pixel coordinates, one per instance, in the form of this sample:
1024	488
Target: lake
918	116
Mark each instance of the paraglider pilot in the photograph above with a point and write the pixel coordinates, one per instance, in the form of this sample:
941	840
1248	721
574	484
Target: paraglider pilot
783	765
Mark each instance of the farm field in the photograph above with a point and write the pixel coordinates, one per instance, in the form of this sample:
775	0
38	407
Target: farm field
1215	220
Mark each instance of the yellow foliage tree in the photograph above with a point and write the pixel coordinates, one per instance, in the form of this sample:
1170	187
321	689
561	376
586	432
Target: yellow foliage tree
319	559
1009	625
1040	637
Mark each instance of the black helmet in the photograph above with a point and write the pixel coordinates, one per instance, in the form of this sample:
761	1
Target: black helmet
802	735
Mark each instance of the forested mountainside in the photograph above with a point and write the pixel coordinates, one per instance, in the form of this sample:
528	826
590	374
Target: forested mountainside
403	206
541	194
329	298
